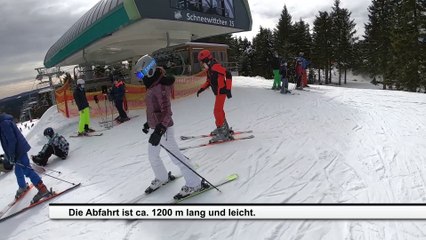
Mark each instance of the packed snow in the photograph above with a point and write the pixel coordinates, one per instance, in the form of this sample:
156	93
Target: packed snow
324	145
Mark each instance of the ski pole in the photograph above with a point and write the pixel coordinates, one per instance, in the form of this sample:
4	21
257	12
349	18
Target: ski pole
97	103
59	179
189	167
46	169
112	113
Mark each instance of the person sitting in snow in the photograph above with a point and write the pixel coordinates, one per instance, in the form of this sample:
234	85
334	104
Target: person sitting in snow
159	117
56	145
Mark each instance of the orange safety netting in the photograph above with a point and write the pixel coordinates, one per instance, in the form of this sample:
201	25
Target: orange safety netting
134	98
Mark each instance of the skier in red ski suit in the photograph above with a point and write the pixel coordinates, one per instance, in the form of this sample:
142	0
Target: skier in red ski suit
220	81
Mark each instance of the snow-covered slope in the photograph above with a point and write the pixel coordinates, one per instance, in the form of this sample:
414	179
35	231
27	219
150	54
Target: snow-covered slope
324	145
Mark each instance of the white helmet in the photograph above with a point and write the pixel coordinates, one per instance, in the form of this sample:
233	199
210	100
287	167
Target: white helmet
80	81
145	66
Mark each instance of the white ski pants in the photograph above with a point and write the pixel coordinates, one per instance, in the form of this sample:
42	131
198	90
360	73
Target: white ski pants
160	172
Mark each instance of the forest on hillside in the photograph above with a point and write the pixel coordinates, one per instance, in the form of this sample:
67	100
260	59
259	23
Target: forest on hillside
392	50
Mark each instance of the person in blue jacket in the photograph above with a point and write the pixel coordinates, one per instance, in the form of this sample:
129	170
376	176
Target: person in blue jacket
15	149
117	93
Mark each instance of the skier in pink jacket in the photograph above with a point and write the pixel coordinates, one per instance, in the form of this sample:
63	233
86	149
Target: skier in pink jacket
159	118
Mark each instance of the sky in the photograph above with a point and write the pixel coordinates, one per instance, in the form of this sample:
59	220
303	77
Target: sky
30	27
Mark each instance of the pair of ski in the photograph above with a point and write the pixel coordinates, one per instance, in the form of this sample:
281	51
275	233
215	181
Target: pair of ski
14	202
235	137
92	134
116	121
219	183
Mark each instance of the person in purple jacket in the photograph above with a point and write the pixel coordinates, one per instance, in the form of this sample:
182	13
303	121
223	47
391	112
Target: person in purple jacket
159	118
15	151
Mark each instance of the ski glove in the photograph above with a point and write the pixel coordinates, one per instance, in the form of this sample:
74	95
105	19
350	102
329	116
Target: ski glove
226	91
145	128
156	135
200	91
11	159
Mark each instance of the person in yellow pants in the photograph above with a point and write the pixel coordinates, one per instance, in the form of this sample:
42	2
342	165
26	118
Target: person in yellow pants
277	80
83	107
276	72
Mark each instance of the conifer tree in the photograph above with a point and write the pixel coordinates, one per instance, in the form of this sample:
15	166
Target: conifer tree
283	35
321	38
247	57
263	53
302	38
405	46
378	54
343	31
421	14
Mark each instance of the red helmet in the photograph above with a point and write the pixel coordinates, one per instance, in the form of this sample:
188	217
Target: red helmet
204	55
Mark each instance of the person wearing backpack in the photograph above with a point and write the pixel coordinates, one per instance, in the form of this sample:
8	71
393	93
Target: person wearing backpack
219	79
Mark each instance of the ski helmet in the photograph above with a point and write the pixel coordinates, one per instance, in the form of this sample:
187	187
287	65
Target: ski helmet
48	132
204	56
145	66
80	81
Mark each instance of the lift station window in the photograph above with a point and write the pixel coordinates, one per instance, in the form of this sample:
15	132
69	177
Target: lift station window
224	8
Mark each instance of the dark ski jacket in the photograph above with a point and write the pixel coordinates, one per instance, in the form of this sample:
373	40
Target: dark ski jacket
59	142
80	99
12	141
118	90
283	71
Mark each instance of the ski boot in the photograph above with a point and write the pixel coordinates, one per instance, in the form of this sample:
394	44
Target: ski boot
38	160
42	192
214	132
121	120
157	183
87	129
185	191
224	134
21	191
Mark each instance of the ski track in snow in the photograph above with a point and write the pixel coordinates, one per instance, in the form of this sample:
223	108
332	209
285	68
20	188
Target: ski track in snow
325	145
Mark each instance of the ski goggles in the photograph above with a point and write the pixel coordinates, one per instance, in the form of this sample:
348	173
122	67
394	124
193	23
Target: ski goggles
142	73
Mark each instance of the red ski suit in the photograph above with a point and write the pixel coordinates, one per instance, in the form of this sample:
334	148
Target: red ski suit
220	80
